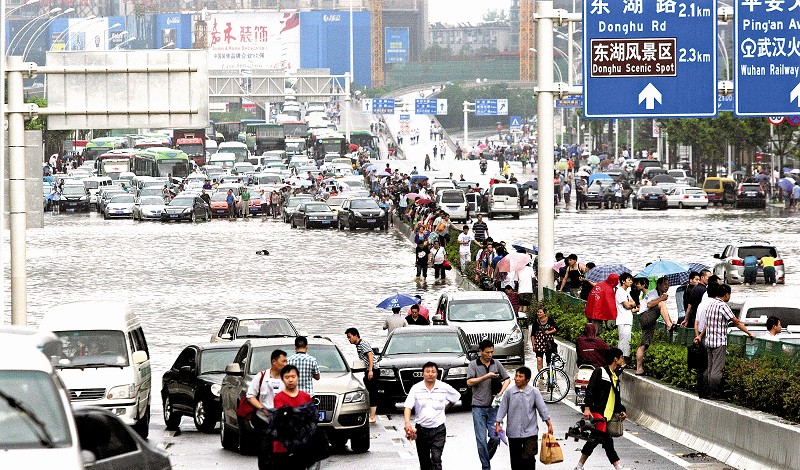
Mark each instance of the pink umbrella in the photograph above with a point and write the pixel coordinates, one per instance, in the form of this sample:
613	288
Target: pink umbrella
423	200
557	267
513	262
412	196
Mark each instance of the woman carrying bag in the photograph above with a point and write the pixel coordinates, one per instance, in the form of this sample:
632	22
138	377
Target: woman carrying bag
602	404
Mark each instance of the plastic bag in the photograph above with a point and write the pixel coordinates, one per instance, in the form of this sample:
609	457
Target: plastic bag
551	450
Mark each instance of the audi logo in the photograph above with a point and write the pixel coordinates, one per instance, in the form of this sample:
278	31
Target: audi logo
417	374
316	401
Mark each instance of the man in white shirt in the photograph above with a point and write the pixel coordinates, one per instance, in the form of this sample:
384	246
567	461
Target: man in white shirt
464	242
525	288
429	399
261	395
625	306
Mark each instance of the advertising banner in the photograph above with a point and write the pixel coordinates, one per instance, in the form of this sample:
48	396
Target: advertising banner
82	34
247	41
173	31
396	42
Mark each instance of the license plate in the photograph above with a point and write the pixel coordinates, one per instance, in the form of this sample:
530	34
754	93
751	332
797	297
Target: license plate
453	208
751	194
696	197
120	212
220	211
174	216
653	197
326	221
73	204
322	416
371	221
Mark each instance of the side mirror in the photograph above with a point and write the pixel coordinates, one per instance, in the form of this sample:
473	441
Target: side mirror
185	370
88	458
358	365
139	357
717	256
233	369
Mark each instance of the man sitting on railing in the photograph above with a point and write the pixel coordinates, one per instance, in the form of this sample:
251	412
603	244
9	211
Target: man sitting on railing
590	348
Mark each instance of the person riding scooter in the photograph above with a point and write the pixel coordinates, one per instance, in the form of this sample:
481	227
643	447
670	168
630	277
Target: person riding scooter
483	165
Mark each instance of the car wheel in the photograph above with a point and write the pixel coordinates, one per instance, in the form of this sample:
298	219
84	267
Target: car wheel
202	420
359	443
680	205
227	437
142	427
351	225
305	224
516	216
171	419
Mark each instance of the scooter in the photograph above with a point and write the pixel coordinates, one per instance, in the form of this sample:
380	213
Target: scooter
483	168
582	377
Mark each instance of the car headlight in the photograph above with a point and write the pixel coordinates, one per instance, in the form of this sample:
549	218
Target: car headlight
381	213
186	209
313	217
387	373
122	392
358	396
357	214
457	372
215	389
515	336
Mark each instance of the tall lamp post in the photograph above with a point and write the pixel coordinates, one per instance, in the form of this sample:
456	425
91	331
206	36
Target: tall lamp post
41	29
14	10
25	27
88	19
119	46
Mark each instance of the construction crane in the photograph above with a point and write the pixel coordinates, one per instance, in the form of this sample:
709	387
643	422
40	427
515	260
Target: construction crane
376	13
527	40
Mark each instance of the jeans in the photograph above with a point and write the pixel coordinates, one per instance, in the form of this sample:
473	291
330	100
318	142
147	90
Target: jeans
438	271
713	374
523	452
483	423
464	258
422	270
769	275
430	445
750	273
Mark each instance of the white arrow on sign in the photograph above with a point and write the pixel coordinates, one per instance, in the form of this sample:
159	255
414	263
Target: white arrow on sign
795	95
649	95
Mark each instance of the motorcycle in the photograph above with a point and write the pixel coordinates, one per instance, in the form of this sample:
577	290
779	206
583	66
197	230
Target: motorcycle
582	377
483	168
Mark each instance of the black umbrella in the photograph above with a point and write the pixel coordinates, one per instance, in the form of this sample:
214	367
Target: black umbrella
530	184
664	179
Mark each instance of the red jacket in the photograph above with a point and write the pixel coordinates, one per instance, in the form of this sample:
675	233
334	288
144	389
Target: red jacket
601	304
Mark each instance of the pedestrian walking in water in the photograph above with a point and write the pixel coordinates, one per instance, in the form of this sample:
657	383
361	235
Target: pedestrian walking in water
437	259
435	151
487	378
429	399
364	351
520	405
231	200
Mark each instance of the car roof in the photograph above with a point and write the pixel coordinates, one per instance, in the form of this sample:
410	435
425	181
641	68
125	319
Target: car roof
312	340
752	243
236	344
478	295
416	330
770	301
89	315
21	353
256	316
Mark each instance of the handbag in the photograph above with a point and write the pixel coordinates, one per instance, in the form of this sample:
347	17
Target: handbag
696	357
551	450
244	409
614	427
446	265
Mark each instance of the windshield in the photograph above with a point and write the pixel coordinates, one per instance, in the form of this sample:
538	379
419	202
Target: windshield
788	315
94	348
711	184
215	360
751	187
328	357
176	168
36	392
219	196
676	173
452	197
420	344
240	152
317	208
245	167
293	202
122	199
757	251
182	202
265	328
505	191
73	190
151	201
271	179
364	204
191	149
94	153
480	310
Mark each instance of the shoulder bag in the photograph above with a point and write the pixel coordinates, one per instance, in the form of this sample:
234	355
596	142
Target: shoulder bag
614	427
245	409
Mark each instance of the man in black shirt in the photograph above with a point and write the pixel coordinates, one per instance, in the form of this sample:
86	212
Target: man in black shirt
414	318
480	230
695	297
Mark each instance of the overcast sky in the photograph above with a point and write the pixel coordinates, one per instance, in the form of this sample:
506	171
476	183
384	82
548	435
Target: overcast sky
462	11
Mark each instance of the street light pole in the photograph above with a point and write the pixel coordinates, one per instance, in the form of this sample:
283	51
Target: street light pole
88	19
14	10
39	31
26	26
16	179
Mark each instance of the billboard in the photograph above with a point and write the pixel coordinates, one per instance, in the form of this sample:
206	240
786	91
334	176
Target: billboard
82	34
396	43
259	40
173	31
325	43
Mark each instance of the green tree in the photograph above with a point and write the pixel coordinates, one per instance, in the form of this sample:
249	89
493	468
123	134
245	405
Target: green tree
53	139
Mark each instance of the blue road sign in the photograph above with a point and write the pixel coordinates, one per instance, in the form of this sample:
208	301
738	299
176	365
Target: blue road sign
405	117
491	107
515	122
725	102
767	57
383	106
430	106
650	58
571	102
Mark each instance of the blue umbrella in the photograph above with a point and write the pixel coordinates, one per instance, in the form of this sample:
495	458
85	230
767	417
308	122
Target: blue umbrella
600	273
697	267
677	273
786	184
398	301
526	247
599	176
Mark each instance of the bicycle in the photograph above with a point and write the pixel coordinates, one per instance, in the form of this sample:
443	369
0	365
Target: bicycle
552	381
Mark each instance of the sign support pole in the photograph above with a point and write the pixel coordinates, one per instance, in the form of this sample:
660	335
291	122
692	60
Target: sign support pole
466	126
545	103
16	179
347	101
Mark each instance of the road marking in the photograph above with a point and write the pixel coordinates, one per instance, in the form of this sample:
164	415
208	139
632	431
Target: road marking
641	443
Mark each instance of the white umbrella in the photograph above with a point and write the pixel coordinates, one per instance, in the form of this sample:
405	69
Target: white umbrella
582	173
795	171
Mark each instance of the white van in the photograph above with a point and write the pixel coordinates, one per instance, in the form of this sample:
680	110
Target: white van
93	184
104	359
223	159
503	199
239	149
27	377
454	202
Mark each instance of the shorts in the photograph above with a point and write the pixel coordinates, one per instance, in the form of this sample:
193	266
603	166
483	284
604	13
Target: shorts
525	299
548	354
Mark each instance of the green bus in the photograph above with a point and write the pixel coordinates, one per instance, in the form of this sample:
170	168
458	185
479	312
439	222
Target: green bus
365	139
96	147
161	161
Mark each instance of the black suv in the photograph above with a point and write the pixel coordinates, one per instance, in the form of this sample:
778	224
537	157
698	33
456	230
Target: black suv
637	174
361	212
74	196
408	349
750	195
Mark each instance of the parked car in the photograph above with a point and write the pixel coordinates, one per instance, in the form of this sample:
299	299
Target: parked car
681	176
720	190
105	196
219	205
685	196
361	212
601	194
731	265
254	325
756	310
484	315
340	395
313	214
408	349
291	205
113	444
650	197
454	202
74	197
190	208
121	205
148	208
641	165
750	195
191	386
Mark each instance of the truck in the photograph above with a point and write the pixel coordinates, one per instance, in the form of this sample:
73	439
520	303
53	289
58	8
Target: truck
192	142
262	137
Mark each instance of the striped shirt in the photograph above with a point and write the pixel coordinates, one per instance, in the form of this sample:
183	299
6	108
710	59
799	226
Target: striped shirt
428	404
717	316
479	229
364	349
307	367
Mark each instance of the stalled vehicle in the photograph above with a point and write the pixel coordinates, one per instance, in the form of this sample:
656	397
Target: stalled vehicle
313	214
